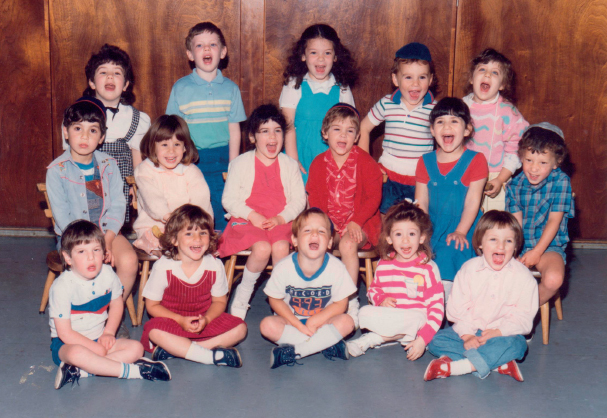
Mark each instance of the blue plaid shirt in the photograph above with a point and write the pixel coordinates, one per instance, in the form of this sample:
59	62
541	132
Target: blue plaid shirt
553	194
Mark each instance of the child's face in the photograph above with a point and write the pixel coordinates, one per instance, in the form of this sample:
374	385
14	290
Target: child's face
449	132
341	137
487	81
498	246
109	83
538	166
413	80
84	138
85	260
268	141
192	243
319	57
405	237
313	237
170	152
206	51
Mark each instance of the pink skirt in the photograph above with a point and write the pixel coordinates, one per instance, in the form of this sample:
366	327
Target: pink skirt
240	235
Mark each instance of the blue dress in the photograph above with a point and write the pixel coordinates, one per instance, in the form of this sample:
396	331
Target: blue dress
445	207
310	112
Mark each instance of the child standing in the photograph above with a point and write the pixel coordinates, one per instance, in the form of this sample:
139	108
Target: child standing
82	331
493	303
345	182
406	111
498	125
309	292
263	194
540	199
407	293
212	107
167	179
449	187
320	73
187	296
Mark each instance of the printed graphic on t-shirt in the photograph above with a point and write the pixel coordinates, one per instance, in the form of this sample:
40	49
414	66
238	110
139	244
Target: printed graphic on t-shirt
94	186
309	301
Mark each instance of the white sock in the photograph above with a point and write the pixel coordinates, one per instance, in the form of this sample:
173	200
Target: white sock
85	374
325	337
459	367
129	371
291	335
246	286
374	339
199	354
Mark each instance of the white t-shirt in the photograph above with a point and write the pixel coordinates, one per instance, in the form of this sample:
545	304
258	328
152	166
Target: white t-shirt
158	282
308	296
84	302
289	97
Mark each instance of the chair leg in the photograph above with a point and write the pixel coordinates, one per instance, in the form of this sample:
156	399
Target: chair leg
130	306
50	278
145	271
558	306
545	315
368	272
230	265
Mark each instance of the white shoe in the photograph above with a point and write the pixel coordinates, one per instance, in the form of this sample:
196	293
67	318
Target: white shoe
359	346
353	308
240	303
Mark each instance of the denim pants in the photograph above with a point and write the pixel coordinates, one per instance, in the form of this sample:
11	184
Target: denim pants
496	352
393	193
213	163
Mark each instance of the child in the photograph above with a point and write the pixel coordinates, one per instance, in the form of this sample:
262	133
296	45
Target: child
85	184
345	182
407	293
498	125
407	133
493	303
211	105
449	187
82	331
187	296
320	73
309	292
167	179
263	194
540	199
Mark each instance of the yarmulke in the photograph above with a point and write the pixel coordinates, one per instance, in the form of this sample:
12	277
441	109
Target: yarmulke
347	106
414	51
95	101
549	127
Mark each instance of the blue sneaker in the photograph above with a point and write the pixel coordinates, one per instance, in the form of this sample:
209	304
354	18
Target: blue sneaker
153	370
161	354
339	350
66	373
283	354
231	357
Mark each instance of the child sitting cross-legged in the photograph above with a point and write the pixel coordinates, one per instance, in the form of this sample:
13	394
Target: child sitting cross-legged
492	305
309	292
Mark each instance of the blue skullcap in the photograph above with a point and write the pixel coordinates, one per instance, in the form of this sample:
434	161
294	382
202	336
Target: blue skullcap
414	51
549	127
95	101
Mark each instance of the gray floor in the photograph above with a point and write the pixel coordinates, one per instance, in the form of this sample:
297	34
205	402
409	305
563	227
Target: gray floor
567	378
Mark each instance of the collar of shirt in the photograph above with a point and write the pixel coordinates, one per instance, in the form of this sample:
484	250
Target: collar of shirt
428	98
470	101
483	264
322	87
217	80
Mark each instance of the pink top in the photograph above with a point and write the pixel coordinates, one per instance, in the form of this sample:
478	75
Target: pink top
482	298
268	194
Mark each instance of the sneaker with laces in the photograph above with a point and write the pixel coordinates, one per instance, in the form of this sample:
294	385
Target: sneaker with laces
353	308
153	370
66	373
359	346
434	370
231	357
339	350
283	354
160	353
511	369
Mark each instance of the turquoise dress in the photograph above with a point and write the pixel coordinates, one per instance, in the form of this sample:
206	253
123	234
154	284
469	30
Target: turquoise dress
309	114
445	207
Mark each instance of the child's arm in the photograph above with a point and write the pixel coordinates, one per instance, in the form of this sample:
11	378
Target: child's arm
108	338
69	336
336	308
57	195
365	130
151	198
497	183
114	217
187	323
281	309
234	145
422	196
471	206
234	194
136	157
372	179
290	136
532	257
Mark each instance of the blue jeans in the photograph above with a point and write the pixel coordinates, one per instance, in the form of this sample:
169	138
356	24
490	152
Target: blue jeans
496	352
213	162
393	193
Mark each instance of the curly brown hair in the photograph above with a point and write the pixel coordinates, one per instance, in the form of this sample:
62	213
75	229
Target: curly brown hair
405	211
187	217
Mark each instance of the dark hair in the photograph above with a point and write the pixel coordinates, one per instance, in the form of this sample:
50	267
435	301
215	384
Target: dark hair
211	28
509	80
501	220
539	140
79	232
186	217
163	128
433	87
405	211
453	106
344	68
340	111
303	216
115	55
84	111
263	114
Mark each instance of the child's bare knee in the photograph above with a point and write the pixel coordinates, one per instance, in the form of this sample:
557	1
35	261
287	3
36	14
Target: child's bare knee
348	246
269	326
241	331
261	250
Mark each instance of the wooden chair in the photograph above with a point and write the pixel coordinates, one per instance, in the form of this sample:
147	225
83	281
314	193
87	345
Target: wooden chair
55	267
370	258
545	310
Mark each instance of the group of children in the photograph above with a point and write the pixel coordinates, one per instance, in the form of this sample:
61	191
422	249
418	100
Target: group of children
420	207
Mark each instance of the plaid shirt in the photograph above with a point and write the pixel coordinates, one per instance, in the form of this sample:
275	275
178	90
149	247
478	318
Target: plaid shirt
536	203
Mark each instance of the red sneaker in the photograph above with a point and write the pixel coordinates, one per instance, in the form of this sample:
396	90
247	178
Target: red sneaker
511	369
434	370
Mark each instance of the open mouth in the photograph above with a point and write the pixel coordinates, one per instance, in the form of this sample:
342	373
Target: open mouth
196	249
170	160
448	139
207	59
272	148
342	144
320	69
110	87
498	259
414	95
92	268
314	246
485	87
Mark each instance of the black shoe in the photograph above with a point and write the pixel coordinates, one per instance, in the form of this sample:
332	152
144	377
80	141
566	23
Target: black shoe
339	350
231	357
66	374
283	354
153	370
161	354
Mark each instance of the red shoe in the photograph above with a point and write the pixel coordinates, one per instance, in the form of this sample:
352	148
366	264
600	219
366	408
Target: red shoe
434	370
511	369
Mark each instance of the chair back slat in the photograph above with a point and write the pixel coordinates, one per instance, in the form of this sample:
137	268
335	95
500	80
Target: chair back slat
47	212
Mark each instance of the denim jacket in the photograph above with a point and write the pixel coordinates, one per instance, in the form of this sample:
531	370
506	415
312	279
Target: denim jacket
66	190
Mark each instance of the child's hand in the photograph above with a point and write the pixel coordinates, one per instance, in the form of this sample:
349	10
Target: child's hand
388	302
488	334
470	341
531	258
355	232
257	219
493	187
415	349
304	329
109	256
107	341
301	168
459	238
313	324
272	222
165	218
193	324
